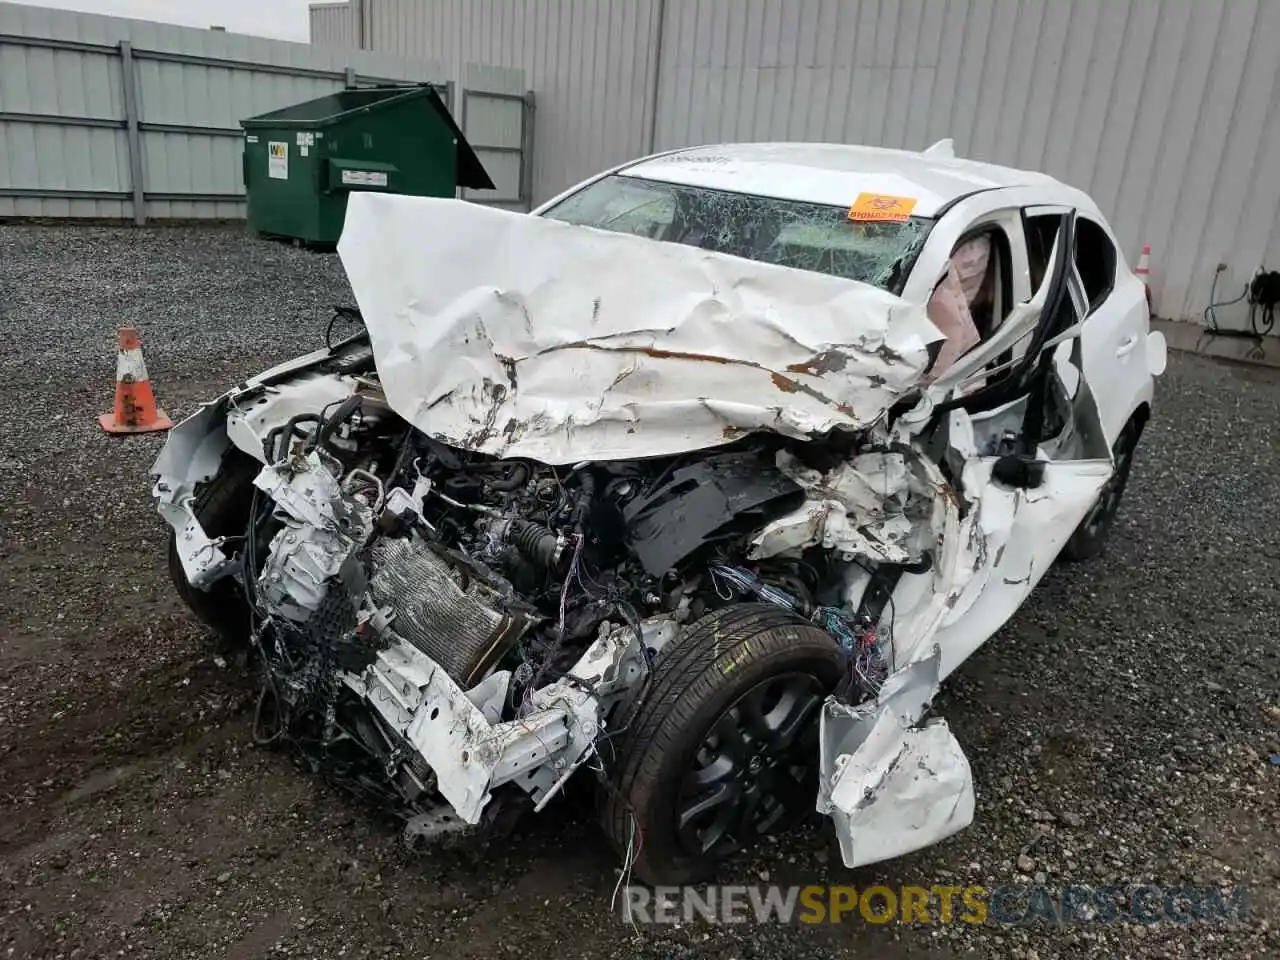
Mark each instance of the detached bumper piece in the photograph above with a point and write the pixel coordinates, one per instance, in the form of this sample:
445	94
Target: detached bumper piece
456	734
891	784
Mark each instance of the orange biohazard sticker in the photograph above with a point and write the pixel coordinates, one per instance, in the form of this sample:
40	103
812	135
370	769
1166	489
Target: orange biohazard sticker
882	207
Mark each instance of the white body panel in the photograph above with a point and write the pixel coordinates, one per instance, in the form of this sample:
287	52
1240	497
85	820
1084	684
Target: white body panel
526	337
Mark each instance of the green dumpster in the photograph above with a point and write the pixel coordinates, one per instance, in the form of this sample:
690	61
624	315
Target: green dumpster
301	163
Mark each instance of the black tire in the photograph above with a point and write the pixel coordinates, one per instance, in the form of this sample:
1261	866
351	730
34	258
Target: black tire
724	668
1091	535
222	506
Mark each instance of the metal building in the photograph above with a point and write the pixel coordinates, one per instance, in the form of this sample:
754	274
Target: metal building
1164	110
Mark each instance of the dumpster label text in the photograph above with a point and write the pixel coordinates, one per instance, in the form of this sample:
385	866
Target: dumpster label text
278	160
364	178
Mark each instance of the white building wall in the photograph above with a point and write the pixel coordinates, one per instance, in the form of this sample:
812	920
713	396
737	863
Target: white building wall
1166	111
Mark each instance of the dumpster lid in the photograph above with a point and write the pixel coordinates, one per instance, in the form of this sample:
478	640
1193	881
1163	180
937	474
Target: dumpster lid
326	110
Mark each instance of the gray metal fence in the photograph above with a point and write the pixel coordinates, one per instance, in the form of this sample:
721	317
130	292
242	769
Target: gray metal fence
144	139
496	114
102	117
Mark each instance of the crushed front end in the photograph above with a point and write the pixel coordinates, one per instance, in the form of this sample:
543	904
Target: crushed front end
461	545
422	618
454	635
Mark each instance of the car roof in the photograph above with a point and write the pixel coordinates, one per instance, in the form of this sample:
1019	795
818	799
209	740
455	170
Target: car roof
835	173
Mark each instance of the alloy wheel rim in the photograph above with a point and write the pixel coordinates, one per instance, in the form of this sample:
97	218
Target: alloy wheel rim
754	771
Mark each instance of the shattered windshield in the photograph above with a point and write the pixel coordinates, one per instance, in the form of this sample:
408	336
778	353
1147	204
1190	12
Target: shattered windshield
807	236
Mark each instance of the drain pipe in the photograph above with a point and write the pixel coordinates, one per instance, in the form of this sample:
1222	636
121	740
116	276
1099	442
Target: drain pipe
651	135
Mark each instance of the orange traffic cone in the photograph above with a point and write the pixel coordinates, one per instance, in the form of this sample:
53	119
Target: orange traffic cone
136	410
1143	270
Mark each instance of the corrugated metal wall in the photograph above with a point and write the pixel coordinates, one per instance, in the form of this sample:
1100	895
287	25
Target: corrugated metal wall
589	63
1165	110
193	88
54	156
493	114
334	25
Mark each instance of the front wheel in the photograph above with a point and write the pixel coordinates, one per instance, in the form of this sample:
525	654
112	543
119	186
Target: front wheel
1088	540
722	749
222	506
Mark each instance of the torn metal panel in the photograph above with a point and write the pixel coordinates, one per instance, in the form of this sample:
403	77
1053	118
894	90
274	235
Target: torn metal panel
827	523
454	732
916	791
875	506
1023	532
535	338
889	785
190	457
252	416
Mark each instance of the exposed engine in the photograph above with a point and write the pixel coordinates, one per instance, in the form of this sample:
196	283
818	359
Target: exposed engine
376	556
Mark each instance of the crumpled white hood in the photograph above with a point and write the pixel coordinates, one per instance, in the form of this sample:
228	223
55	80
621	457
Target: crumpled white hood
519	336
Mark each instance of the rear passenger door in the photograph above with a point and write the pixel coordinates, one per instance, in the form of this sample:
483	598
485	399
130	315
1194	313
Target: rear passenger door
1114	339
1111	303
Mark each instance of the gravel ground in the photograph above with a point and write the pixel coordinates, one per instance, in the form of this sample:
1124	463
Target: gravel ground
1120	727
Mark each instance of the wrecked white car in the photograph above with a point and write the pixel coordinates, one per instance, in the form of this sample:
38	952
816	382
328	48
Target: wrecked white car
702	478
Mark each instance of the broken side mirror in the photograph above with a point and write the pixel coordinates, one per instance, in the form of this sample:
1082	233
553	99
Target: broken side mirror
1021	471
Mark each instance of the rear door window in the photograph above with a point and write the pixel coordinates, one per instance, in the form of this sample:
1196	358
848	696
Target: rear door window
1096	261
1095	256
